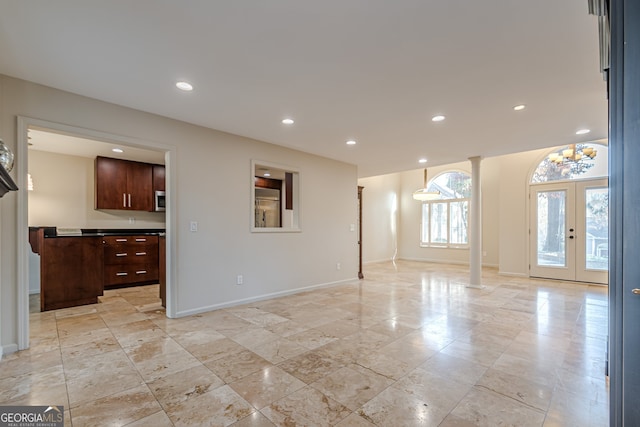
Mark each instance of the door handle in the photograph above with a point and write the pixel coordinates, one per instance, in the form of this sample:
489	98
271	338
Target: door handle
635	291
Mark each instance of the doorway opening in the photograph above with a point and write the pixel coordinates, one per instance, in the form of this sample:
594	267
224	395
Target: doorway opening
41	142
569	216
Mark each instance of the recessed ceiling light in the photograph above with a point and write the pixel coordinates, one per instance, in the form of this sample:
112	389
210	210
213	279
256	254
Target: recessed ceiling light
583	131
351	142
422	161
117	150
437	118
520	107
187	87
287	121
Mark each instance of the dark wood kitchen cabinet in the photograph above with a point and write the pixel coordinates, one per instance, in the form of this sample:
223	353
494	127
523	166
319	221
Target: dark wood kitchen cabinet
70	271
123	184
130	260
158	178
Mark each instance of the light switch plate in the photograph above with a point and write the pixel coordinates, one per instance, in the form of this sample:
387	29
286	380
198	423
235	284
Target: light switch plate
193	226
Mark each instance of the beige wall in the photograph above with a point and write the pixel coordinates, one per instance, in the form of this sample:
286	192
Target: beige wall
211	178
63	196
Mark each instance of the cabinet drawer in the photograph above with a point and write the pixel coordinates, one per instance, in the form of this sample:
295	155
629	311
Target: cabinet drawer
125	274
130	240
131	254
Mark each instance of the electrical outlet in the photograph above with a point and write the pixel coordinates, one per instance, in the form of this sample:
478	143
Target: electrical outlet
338	266
239	280
132	220
193	226
352	227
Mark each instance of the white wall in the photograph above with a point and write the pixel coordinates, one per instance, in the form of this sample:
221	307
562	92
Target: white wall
515	171
409	247
211	171
381	217
63	196
504	183
412	213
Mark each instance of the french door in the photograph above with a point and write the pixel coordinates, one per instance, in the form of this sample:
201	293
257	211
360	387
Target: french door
569	231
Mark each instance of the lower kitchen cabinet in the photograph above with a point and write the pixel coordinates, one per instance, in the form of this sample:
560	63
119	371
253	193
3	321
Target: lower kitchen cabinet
75	269
130	260
71	271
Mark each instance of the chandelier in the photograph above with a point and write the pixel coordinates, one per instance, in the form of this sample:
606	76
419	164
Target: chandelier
574	153
422	194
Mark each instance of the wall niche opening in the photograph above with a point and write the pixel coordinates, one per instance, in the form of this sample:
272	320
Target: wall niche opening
275	197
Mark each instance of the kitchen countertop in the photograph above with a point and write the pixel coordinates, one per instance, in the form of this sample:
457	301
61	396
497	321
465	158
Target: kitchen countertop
50	232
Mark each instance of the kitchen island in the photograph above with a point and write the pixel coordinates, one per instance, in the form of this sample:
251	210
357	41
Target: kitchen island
75	267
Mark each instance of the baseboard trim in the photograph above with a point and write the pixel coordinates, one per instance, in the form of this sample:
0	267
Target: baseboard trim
8	349
185	313
512	274
442	261
377	261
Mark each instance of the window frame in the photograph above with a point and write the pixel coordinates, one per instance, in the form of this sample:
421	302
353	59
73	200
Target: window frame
295	194
426	226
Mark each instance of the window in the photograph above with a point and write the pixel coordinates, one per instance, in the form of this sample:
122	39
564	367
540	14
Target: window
274	198
577	161
445	220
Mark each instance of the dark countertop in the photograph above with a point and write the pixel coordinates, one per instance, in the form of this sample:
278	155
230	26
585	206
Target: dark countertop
100	232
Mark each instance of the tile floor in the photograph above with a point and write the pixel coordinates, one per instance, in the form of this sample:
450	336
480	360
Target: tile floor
409	345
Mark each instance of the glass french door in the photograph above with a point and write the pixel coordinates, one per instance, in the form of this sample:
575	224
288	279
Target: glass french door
569	231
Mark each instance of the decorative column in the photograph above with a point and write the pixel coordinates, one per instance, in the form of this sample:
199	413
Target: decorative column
475	236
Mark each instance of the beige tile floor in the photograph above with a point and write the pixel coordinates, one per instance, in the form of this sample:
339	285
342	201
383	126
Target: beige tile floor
408	345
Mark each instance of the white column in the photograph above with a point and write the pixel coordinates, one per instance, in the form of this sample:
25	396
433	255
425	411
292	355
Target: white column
475	236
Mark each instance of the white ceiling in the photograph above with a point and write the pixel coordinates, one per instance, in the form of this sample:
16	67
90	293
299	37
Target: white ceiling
371	70
41	140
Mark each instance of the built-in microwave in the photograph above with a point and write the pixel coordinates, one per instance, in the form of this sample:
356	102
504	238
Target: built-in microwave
160	202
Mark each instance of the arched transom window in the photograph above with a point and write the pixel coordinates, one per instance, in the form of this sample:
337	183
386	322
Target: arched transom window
445	220
575	161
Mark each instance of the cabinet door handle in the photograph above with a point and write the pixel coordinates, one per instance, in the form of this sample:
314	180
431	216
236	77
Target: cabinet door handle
129	200
141	240
140	253
122	254
141	272
122	274
121	240
124	200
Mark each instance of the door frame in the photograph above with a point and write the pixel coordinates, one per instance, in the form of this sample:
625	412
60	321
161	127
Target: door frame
566	272
597	276
624	270
578	274
22	233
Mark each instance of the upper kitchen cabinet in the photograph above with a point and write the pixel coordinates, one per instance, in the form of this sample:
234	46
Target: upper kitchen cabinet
124	184
158	178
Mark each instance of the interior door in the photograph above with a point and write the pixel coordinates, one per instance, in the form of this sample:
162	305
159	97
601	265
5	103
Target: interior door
569	231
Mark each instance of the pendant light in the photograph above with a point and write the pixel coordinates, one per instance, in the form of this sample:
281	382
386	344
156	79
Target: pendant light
423	194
